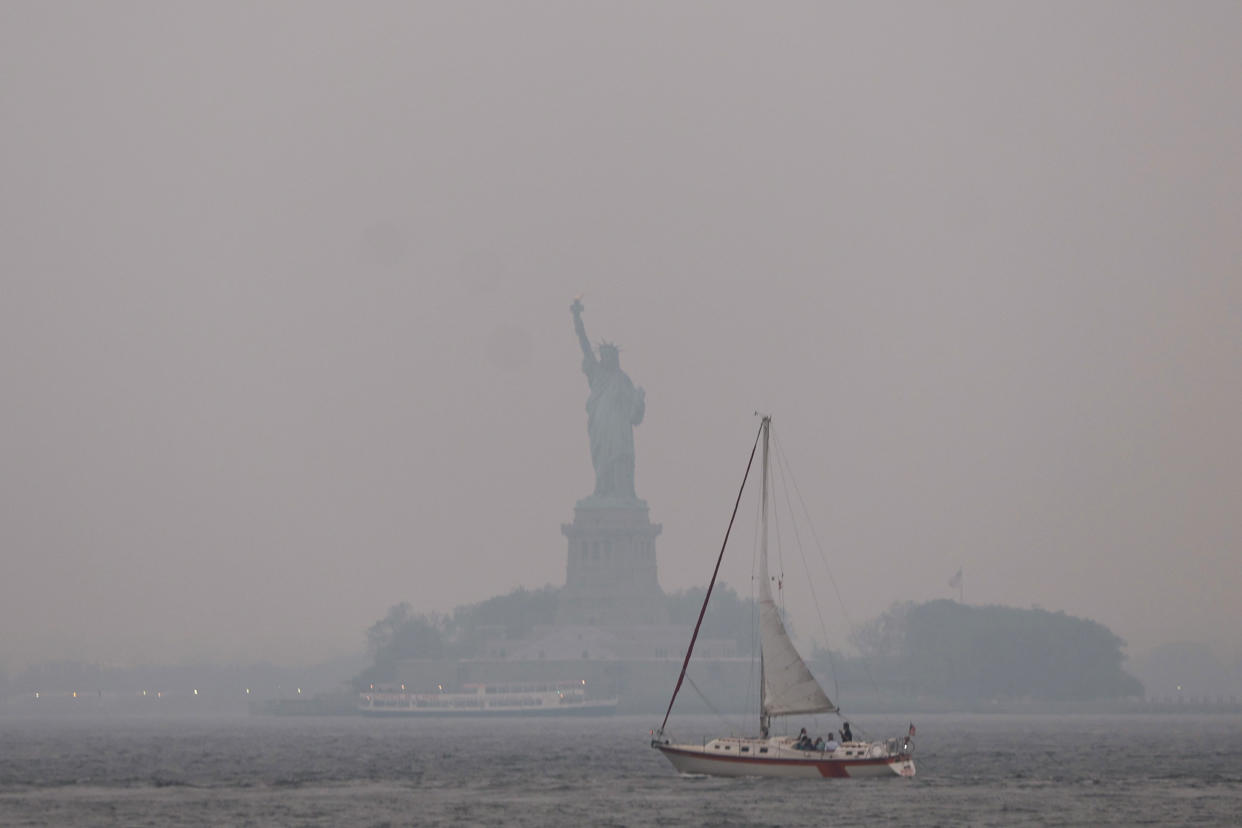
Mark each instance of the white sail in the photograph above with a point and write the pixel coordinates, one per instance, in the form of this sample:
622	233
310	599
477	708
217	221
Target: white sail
788	686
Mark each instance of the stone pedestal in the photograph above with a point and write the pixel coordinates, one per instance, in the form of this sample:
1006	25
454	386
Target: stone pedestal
610	578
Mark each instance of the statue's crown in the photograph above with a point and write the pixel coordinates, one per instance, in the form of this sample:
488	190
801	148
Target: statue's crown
605	345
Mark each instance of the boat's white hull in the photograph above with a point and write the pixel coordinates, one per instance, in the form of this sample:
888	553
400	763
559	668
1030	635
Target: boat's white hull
785	763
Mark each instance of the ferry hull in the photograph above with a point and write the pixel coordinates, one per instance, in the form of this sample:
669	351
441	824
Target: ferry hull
691	759
593	708
563	698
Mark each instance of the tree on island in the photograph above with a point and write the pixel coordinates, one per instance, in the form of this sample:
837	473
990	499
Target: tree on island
403	635
954	651
728	616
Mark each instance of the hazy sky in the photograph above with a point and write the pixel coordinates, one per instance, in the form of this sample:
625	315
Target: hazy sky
285	326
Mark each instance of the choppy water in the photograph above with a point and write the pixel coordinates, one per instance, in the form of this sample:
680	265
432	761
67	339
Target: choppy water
985	770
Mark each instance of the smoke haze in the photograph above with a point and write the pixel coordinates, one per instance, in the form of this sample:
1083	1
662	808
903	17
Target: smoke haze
286	330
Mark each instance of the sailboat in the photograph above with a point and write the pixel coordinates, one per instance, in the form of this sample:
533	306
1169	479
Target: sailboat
786	688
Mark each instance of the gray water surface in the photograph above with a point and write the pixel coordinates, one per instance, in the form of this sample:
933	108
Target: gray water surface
983	770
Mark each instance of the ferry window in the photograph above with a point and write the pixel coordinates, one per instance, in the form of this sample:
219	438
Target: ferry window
763	750
745	750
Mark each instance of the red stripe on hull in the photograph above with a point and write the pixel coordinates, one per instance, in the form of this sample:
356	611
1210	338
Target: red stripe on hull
832	770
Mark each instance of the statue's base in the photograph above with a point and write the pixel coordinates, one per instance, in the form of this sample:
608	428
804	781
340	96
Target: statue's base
610	502
611	578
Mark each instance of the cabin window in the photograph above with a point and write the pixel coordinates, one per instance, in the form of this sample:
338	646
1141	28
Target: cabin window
745	750
763	750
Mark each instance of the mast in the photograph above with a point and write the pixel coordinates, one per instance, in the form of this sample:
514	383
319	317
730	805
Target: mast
764	718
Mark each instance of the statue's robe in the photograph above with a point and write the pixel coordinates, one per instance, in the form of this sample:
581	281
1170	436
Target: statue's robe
613	409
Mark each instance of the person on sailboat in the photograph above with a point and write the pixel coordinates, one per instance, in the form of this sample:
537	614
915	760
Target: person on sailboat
831	745
804	741
846	736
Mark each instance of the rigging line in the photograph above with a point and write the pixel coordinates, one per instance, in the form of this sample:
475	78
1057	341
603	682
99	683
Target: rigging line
782	467
831	579
710	706
715	572
780	548
751	685
784	470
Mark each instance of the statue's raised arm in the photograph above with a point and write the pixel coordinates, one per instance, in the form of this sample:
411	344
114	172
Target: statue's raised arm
588	353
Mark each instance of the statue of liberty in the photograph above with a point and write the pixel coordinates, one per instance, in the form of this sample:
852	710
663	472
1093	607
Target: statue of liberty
614	407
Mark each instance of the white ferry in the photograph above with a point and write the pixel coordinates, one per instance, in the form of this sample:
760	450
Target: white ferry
530	699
